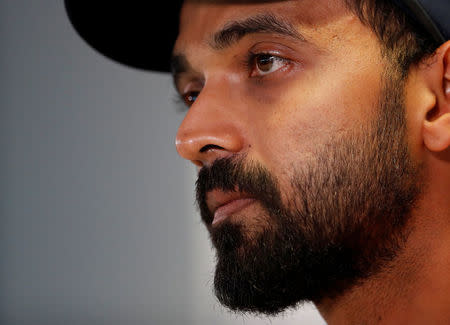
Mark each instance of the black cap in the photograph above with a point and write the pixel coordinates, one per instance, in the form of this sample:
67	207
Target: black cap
141	35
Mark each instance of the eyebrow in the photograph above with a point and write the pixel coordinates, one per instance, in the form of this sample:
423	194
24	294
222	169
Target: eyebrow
234	31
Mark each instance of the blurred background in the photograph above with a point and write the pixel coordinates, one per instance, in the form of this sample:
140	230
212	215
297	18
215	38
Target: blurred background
98	224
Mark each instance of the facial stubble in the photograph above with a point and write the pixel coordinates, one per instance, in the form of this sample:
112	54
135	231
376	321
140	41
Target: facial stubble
345	217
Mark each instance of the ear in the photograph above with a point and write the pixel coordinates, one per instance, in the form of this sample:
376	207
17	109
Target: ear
436	125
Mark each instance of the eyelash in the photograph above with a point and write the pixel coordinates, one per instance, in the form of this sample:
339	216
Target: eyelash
249	65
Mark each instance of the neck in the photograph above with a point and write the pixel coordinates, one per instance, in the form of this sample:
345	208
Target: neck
415	287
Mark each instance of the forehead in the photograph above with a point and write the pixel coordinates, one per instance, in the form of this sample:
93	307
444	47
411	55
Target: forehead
199	20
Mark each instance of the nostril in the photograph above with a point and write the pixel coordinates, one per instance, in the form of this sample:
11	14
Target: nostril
210	147
197	163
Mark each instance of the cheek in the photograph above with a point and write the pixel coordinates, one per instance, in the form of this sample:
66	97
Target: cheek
287	135
294	124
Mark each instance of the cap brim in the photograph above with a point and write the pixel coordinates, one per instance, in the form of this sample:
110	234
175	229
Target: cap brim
142	36
138	34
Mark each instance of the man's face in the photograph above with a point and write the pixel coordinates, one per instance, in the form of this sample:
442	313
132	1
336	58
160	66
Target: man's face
305	179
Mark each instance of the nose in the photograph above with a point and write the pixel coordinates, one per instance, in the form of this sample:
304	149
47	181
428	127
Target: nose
211	129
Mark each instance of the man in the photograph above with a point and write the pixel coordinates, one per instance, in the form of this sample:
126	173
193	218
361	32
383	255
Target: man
321	131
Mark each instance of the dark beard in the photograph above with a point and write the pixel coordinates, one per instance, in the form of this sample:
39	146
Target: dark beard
345	218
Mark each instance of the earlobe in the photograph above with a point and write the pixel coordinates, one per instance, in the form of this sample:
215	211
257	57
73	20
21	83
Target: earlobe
436	126
436	133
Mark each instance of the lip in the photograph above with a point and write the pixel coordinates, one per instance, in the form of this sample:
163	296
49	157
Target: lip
224	204
230	208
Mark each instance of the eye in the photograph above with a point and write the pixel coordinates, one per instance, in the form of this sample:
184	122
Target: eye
264	63
190	97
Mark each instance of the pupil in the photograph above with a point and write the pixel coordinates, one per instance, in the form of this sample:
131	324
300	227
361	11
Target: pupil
265	62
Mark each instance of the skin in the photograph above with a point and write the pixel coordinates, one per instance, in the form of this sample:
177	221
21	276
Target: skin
325	87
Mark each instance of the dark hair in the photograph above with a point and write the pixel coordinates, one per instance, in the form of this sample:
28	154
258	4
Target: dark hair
403	42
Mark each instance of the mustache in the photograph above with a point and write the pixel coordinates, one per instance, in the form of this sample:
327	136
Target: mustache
235	174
